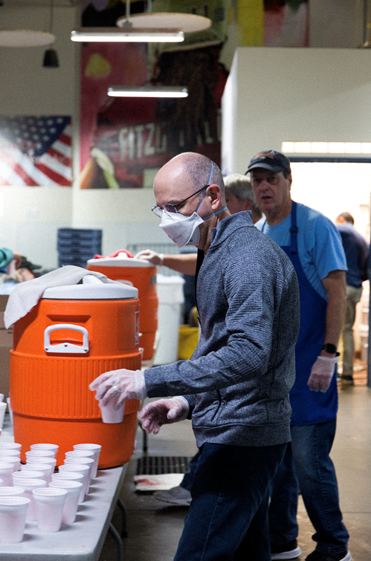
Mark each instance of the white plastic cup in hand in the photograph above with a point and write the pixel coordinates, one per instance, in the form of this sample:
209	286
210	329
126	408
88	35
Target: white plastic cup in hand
13	512
46	446
29	474
94	447
10	446
47	469
49	503
28	485
85	461
109	412
78	468
2	413
71	504
71	476
11	491
6	470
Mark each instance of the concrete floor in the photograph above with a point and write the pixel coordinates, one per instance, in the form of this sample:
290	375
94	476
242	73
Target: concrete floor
154	528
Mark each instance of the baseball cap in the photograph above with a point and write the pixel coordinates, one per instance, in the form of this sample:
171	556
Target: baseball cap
270	159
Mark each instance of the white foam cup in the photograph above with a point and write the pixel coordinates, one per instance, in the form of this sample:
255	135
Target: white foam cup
2	413
11	491
29	474
50	461
40	454
71	476
85	461
71	504
10	452
96	448
47	469
109	412
13	512
78	468
28	485
6	470
49	504
14	460
46	446
1	397
10	445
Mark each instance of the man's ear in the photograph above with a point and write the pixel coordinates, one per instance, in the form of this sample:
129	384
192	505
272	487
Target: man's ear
215	194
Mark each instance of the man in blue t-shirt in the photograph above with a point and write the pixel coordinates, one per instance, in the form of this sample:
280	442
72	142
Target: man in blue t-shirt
314	246
356	253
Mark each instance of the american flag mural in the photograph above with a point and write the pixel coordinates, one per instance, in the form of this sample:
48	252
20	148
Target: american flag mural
35	150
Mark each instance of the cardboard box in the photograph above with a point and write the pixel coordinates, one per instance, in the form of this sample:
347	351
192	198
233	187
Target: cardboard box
6	343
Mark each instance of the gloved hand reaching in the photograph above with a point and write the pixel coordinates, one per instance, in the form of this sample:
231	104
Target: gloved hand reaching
163	412
151	256
127	384
321	373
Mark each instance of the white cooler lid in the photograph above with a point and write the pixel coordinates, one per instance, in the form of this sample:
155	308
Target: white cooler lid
122	260
92	289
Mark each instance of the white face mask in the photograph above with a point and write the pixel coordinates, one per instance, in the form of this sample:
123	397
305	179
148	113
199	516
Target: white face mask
182	230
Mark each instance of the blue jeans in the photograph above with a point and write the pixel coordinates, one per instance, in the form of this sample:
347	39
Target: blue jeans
307	464
228	516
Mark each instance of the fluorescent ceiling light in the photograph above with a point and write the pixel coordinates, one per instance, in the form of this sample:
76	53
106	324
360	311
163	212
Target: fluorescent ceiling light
147	91
128	34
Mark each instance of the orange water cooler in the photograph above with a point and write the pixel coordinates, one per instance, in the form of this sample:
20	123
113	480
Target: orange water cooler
124	267
74	334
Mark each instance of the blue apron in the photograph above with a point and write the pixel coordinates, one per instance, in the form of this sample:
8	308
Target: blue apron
308	407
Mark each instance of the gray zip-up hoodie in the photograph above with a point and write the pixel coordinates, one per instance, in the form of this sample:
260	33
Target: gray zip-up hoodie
239	377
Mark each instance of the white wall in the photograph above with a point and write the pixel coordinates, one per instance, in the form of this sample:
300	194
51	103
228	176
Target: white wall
294	95
32	215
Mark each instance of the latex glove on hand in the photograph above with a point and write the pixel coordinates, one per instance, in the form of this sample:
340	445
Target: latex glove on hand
128	384
321	373
163	412
151	256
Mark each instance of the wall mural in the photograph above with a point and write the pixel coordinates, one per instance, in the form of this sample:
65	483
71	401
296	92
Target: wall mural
124	141
35	150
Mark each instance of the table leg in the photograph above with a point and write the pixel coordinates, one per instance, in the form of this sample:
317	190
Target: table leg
120	504
116	536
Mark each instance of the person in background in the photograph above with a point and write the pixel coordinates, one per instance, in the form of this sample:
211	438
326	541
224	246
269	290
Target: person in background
236	386
356	252
314	247
7	256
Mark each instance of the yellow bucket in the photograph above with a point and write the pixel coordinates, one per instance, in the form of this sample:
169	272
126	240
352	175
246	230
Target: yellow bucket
188	341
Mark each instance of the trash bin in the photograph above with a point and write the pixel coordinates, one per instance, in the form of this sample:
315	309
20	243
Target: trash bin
74	334
170	317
